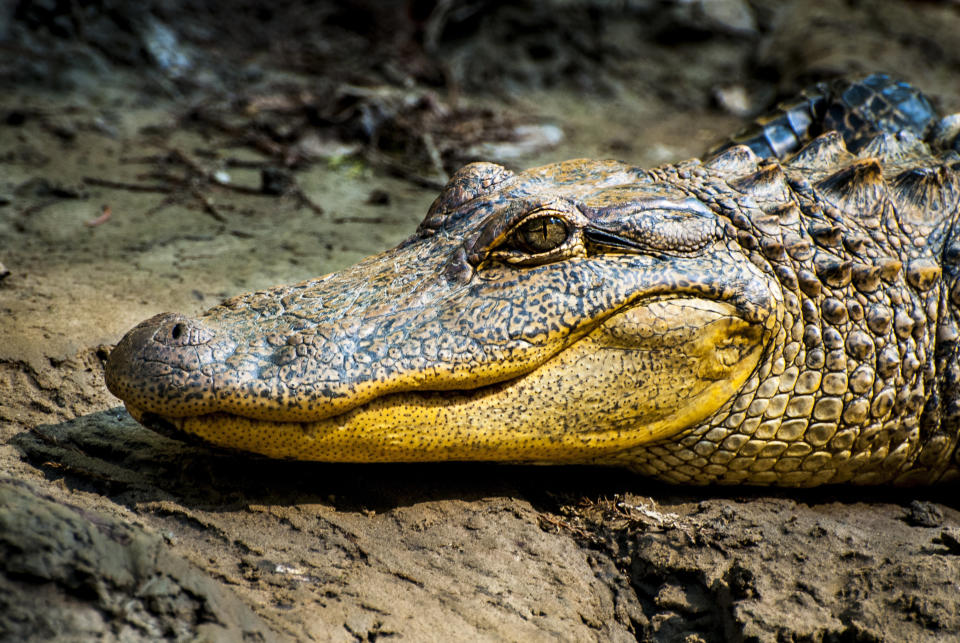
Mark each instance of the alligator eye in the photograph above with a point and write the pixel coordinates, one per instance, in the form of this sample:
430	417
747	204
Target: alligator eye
540	234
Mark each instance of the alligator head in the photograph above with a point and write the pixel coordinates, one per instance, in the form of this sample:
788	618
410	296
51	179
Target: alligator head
567	313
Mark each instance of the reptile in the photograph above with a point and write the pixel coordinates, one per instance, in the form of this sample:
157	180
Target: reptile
782	312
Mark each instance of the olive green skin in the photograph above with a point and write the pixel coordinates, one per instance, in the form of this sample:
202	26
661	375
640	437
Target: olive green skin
829	277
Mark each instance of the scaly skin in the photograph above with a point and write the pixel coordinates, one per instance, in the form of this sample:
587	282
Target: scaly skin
739	320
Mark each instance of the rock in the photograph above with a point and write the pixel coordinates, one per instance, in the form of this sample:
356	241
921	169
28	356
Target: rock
99	578
924	514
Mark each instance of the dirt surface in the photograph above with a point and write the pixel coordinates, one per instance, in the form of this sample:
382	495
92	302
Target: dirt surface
130	187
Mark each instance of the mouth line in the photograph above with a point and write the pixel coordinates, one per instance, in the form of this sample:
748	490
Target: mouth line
168	424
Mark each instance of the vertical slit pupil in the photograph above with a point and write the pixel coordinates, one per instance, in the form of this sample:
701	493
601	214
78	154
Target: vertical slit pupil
543	234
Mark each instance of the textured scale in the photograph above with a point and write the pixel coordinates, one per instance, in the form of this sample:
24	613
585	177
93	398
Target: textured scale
785	313
851	391
858	111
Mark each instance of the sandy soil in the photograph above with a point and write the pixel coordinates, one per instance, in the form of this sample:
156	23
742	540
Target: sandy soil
124	534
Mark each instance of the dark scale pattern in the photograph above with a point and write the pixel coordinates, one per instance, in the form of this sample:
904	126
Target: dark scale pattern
859	110
742	320
852	390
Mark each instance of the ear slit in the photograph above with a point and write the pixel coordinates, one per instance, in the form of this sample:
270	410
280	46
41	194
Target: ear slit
609	240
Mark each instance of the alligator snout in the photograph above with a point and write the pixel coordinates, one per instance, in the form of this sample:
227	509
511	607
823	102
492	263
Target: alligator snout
173	329
166	358
166	338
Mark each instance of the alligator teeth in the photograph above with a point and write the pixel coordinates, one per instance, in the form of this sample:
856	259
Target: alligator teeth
857	189
827	150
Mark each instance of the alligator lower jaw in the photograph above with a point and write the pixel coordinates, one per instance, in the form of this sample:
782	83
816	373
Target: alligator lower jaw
406	427
615	389
327	442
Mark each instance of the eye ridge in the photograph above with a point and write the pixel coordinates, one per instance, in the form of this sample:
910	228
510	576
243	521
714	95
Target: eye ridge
540	234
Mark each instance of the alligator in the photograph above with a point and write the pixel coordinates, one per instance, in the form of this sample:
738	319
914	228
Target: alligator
783	312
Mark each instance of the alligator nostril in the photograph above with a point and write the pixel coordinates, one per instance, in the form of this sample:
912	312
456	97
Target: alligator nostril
181	332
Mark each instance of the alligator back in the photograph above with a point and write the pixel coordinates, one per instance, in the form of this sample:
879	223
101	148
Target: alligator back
858	110
861	382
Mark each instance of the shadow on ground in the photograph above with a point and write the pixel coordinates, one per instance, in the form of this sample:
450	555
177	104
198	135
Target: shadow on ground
461	550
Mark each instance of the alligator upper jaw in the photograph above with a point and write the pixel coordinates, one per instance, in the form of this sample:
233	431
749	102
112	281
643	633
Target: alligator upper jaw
646	373
172	367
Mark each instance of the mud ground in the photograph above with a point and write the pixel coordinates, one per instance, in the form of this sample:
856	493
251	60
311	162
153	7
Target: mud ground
111	532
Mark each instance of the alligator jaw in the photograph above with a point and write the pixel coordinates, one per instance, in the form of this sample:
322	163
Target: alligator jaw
569	314
644	374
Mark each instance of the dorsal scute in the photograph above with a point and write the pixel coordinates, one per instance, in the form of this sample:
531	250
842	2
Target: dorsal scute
866	277
822	154
825	234
946	133
832	271
735	160
854	242
857	190
767	184
789	214
923	273
895	148
798	247
926	193
768	224
864	108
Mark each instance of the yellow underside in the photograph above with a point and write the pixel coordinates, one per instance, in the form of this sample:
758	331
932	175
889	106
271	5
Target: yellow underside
645	374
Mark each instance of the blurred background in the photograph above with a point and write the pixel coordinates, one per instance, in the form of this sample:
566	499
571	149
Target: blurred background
430	82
